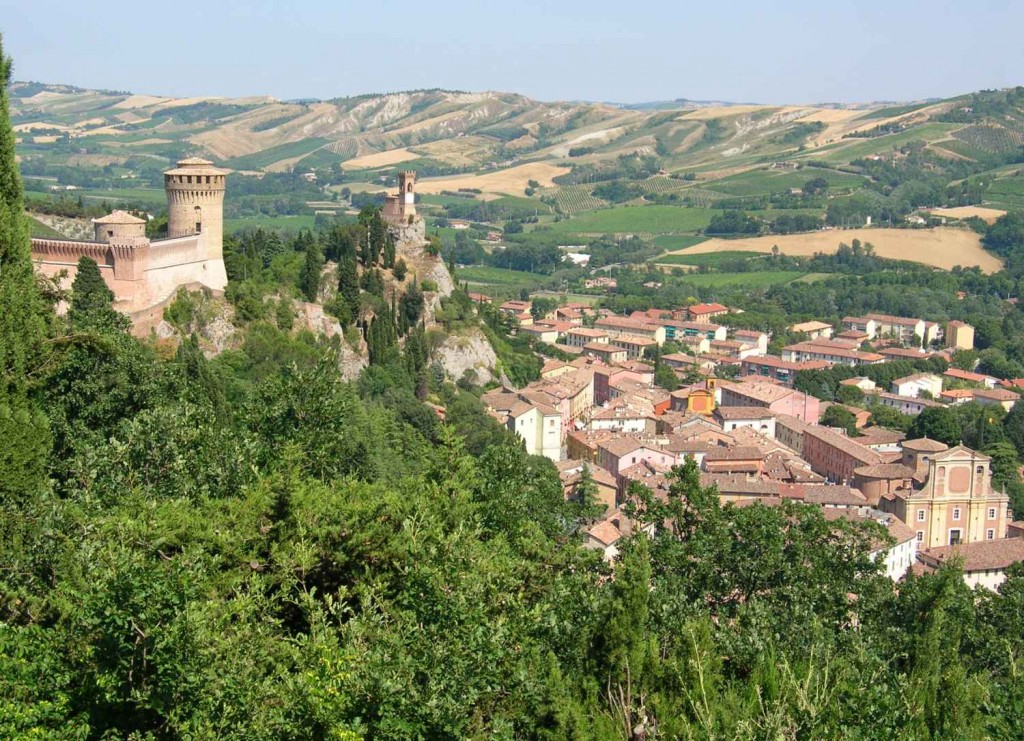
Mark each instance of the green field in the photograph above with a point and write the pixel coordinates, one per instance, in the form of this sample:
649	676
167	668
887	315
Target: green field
706	258
284	223
638	219
147	196
763	182
1006	192
499	277
669	242
761	279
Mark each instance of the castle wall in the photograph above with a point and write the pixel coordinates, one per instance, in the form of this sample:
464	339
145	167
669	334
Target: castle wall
141	274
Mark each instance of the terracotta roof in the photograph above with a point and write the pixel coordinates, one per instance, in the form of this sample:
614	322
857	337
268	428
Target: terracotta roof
978	556
738	453
603	347
707	308
897	320
828	494
996	394
620	446
812	326
761	391
924	445
744	412
119	217
958	393
605	532
881	436
965	375
885	471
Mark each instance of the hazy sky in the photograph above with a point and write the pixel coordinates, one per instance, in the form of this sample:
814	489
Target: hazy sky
787	51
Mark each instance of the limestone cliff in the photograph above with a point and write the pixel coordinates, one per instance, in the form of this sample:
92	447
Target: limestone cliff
469	350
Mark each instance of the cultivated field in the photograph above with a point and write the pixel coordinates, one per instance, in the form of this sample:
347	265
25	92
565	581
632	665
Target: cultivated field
638	220
382	159
942	248
988	215
512	181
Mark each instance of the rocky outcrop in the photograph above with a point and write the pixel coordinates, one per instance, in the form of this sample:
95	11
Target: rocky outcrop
410	235
469	350
351	361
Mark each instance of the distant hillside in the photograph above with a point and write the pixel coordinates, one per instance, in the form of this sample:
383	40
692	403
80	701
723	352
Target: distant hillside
528	159
444	132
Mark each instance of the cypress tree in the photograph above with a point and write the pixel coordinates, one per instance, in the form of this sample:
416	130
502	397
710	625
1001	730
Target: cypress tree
377	237
91	300
23	428
389	251
309	277
348	284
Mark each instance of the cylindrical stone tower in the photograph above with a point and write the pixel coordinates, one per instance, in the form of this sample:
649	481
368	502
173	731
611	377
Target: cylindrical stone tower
195	203
118	225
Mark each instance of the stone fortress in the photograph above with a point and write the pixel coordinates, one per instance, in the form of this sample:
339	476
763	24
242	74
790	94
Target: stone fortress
145	274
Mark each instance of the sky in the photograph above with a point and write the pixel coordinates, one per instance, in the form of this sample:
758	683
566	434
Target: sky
758	51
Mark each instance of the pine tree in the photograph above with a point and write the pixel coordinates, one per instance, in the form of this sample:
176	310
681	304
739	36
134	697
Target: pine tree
23	428
309	278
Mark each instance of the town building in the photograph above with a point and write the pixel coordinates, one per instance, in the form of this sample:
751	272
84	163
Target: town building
775	398
776	369
814	330
539	426
705	312
914	384
605	352
984	563
581	336
996	397
959	335
616	326
833	352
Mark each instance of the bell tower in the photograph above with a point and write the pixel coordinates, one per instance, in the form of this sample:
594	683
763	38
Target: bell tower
406	196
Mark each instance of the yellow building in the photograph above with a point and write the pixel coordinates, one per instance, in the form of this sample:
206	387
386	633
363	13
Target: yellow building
959	335
956	502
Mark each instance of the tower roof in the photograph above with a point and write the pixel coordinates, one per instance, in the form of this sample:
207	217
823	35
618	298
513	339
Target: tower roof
119	217
196	166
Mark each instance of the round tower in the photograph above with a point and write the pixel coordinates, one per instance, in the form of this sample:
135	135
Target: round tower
118	225
195	203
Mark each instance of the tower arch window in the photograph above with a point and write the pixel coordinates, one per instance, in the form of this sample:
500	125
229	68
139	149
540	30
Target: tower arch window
199	219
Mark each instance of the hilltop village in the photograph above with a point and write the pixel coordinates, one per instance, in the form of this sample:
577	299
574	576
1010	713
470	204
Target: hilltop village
599	413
